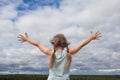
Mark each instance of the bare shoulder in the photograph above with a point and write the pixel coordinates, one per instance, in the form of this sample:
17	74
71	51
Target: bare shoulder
50	52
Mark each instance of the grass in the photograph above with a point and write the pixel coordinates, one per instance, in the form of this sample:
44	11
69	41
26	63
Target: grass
44	77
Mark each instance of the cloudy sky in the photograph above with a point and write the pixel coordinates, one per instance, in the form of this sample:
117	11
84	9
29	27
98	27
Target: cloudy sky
42	19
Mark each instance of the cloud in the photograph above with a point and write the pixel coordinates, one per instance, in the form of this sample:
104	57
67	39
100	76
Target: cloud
8	10
110	71
17	60
73	18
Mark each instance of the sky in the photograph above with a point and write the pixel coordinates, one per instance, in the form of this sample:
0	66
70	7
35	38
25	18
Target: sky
42	19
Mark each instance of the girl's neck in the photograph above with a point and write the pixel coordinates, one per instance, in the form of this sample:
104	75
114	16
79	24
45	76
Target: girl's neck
58	48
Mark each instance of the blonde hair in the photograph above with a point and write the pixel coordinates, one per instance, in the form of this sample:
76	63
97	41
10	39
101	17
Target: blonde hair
61	41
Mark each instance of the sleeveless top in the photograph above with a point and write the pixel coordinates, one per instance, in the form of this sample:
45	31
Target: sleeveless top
59	70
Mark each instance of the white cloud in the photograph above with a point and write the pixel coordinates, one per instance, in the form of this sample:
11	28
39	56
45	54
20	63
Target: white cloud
6	26
8	12
75	19
115	56
109	70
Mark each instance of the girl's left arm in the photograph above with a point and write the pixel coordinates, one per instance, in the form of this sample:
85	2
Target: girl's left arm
93	36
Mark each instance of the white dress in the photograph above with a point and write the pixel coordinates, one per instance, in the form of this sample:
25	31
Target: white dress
59	70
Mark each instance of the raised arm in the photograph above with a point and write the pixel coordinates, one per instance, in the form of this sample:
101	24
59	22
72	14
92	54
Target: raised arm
25	38
93	36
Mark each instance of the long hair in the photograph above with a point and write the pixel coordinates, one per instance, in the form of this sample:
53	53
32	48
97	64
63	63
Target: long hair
61	41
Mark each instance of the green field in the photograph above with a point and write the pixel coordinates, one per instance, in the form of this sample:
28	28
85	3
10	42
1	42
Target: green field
44	77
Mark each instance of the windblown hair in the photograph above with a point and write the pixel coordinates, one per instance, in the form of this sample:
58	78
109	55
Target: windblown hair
59	40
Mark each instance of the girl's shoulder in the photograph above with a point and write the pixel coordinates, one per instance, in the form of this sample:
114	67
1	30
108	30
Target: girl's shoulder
50	52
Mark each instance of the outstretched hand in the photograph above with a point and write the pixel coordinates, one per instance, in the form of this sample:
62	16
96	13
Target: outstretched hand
23	38
95	36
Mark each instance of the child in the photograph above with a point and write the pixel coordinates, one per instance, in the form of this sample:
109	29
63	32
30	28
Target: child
61	56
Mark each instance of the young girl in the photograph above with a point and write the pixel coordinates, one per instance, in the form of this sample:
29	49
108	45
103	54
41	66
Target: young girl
60	56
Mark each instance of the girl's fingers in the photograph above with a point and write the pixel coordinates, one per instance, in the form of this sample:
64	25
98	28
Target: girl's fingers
100	36
97	33
18	37
97	39
26	34
21	35
20	40
91	32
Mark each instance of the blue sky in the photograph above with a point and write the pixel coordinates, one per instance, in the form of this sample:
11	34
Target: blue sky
42	19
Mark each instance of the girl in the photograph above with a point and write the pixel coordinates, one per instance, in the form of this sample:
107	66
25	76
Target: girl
61	56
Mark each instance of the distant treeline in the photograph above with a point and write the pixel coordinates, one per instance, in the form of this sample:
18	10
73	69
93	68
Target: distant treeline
72	77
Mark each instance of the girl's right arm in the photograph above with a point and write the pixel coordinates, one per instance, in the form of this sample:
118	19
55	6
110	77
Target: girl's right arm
25	38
